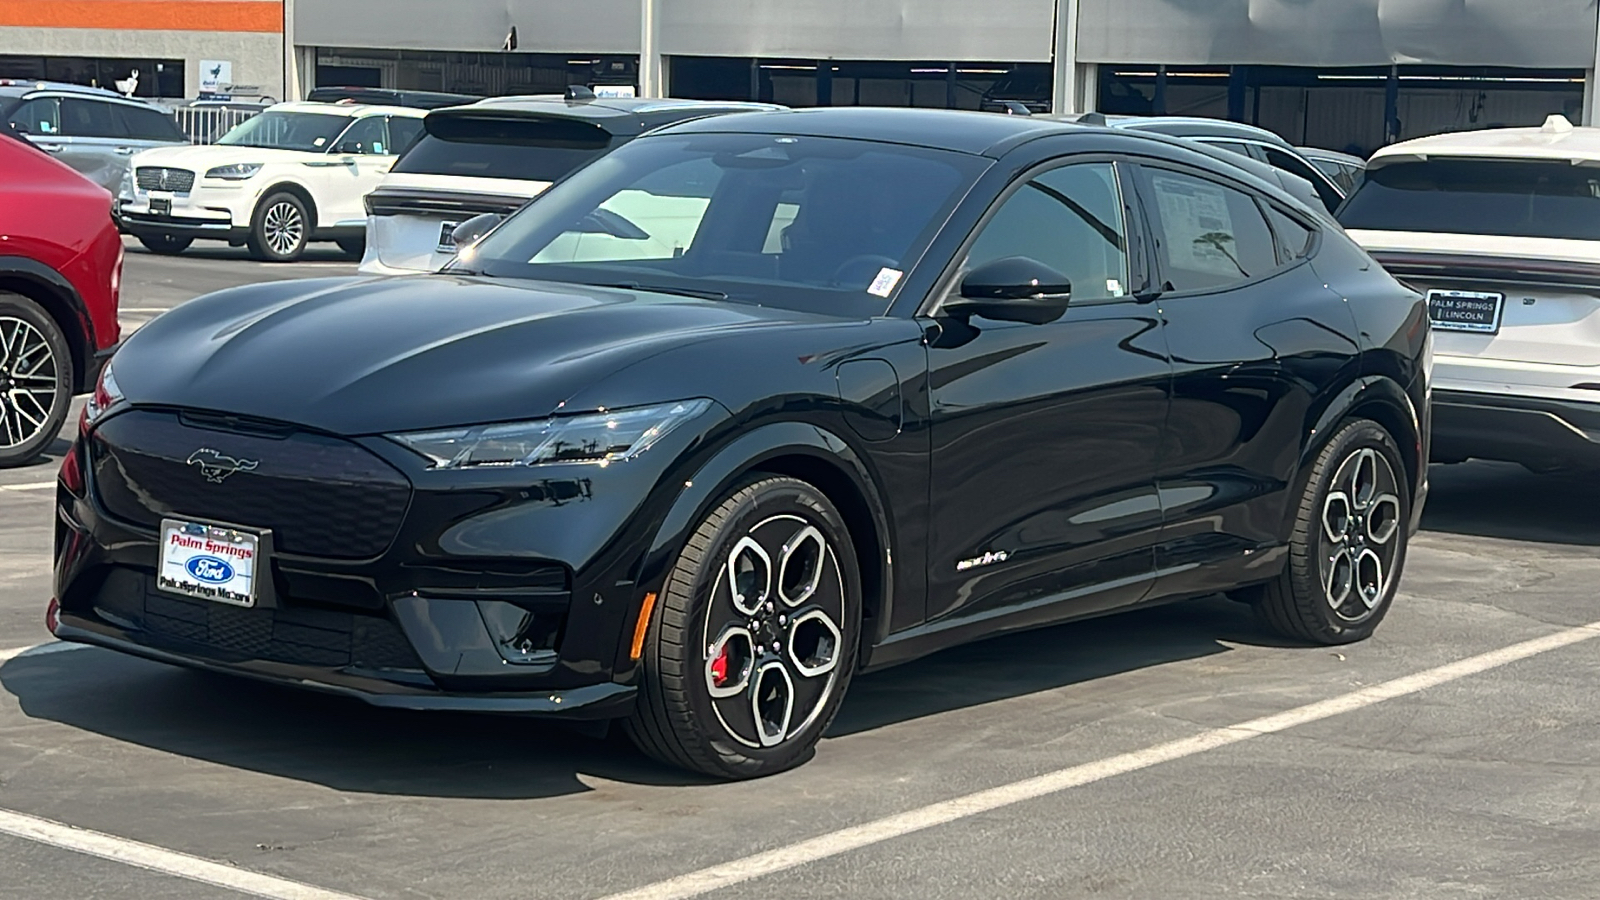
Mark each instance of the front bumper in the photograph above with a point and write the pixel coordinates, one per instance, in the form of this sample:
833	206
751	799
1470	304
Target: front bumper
1537	432
490	593
205	211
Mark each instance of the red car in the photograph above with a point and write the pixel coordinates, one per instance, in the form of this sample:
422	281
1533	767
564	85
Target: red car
60	273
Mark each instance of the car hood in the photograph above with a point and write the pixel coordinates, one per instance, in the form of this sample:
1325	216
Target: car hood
200	158
369	356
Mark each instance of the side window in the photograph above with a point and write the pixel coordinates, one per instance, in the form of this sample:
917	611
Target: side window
1293	239
1071	220
402	133
1208	236
89	118
367	136
39	116
1294	165
143	124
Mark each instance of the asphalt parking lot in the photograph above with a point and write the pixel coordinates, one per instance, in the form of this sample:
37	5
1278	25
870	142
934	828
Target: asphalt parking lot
1176	751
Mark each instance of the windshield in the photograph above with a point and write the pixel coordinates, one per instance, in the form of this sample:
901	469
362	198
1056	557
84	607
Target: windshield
1506	198
817	224
529	149
287	131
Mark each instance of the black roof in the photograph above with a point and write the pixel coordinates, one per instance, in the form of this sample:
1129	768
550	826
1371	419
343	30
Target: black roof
979	133
622	116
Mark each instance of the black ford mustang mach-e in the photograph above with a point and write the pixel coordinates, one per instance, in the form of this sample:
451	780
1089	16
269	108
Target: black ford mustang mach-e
753	404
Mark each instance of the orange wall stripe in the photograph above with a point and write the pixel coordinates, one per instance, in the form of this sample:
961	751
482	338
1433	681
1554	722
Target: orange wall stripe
146	15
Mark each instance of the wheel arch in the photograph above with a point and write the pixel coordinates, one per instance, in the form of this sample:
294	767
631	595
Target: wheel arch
812	454
1383	400
300	191
60	301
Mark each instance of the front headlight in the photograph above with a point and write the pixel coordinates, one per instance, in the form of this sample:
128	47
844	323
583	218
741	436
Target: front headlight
235	172
602	437
106	395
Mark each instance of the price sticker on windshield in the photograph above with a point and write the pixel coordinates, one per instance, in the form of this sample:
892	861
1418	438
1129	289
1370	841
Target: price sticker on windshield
883	285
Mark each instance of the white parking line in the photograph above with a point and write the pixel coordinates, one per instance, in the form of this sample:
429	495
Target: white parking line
156	859
755	866
31	486
39	650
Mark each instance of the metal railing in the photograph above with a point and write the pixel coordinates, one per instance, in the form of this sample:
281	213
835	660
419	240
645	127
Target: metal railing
204	124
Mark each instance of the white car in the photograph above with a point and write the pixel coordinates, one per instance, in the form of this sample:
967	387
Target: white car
493	156
1501	230
296	173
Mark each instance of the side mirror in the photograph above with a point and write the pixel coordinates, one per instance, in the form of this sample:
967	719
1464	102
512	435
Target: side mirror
472	230
1012	289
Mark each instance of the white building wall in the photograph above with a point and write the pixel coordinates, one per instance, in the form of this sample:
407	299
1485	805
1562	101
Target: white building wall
257	58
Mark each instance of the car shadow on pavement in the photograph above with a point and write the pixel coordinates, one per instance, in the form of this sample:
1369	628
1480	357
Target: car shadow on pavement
346	745
1034	661
1504	500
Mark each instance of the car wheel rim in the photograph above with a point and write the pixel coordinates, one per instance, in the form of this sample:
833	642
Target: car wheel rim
1360	535
773	633
284	227
28	376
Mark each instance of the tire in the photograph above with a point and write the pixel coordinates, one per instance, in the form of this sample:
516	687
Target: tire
711	699
36	378
1340	579
165	244
280	228
355	248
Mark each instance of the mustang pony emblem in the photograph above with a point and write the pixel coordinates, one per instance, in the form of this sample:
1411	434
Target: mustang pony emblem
215	467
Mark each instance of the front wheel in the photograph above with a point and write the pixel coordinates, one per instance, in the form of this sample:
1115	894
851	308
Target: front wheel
35	380
753	643
1349	541
281	229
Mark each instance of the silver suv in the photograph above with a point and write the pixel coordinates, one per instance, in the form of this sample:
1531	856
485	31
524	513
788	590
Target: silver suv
90	129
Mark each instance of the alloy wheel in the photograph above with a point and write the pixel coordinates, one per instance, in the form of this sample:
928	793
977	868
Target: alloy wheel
284	227
1360	535
772	636
28	374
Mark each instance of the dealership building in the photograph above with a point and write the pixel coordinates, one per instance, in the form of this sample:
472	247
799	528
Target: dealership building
1337	73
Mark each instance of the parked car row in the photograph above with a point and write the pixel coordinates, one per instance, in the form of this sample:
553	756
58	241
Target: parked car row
697	393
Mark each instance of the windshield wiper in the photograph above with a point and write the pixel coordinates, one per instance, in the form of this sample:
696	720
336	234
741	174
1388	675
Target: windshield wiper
662	289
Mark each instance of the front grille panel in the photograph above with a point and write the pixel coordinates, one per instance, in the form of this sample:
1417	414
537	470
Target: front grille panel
319	495
157	178
306	637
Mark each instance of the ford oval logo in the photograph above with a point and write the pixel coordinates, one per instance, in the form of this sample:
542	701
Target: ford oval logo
209	569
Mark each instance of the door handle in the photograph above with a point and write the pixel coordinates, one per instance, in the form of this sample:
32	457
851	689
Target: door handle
124	151
51	148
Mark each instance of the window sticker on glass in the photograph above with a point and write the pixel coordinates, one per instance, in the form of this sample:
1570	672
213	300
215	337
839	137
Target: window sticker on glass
883	285
1199	229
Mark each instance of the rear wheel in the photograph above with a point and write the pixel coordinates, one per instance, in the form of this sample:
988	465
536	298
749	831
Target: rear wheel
1348	544
753	643
355	248
165	244
281	229
35	380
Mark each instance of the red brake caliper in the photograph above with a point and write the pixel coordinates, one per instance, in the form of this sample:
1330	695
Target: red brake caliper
719	667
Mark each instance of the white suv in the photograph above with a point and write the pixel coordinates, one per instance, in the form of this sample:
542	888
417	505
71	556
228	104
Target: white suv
296	173
1501	230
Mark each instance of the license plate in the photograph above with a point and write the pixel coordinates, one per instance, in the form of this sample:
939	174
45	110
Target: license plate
160	204
209	562
447	240
1475	311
